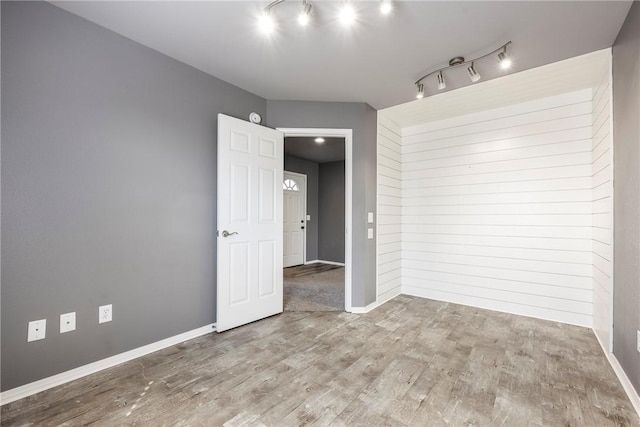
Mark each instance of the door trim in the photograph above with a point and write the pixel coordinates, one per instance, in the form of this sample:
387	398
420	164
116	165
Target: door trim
347	134
304	232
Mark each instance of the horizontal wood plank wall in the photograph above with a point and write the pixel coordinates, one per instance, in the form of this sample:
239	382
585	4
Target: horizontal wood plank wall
497	208
389	209
602	171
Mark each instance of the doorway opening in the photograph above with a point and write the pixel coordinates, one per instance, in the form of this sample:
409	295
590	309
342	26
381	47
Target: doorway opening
317	219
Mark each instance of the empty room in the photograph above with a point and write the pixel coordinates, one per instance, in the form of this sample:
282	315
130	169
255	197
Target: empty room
328	213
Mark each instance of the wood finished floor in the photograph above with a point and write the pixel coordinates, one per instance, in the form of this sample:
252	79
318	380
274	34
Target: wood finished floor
411	361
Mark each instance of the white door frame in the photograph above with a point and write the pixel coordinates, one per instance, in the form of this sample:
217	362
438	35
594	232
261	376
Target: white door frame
303	177
347	134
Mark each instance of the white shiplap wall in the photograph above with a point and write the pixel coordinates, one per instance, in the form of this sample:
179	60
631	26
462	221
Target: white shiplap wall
602	171
389	209
496	209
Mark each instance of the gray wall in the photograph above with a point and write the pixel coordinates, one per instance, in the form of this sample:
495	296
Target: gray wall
626	140
331	215
361	118
309	168
108	187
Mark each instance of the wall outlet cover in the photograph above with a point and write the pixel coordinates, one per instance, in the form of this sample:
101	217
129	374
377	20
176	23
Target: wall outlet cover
105	313
370	233
37	330
67	322
370	217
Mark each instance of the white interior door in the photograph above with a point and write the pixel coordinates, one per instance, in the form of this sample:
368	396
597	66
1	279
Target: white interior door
250	164
295	196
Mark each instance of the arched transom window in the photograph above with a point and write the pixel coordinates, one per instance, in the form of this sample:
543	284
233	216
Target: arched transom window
290	185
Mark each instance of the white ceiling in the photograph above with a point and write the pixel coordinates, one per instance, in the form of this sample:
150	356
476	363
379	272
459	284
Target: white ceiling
376	61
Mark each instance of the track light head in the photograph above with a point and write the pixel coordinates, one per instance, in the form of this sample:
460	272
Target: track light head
266	23
305	14
473	74
420	93
386	7
505	61
347	15
441	82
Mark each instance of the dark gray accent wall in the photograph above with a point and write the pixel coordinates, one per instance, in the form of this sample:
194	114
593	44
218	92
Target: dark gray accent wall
626	140
331	216
108	190
309	168
362	119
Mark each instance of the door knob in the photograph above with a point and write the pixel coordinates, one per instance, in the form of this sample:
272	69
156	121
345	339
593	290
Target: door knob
225	233
302	228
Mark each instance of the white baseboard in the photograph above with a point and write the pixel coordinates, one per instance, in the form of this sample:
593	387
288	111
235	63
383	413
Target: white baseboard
622	376
321	261
366	309
82	371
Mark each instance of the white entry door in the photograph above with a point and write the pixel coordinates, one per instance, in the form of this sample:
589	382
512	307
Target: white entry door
295	196
250	164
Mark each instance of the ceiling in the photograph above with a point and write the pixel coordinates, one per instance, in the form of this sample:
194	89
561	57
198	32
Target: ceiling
375	61
331	150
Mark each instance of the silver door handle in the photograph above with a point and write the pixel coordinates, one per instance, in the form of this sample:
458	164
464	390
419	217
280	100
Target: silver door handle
225	233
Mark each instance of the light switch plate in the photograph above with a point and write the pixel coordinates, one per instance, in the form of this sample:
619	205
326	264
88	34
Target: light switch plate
370	217
37	330
67	322
370	233
638	341
308	217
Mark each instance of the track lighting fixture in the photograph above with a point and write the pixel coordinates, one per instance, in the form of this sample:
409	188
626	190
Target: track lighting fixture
305	14
504	60
385	7
441	83
347	15
473	74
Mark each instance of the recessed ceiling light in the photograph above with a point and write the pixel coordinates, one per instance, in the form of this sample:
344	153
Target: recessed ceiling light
347	15
319	140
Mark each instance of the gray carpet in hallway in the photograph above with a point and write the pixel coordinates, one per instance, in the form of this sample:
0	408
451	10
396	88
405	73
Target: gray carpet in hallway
314	287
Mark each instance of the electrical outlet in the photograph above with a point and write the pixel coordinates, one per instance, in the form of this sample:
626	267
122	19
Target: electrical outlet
67	322
37	330
104	313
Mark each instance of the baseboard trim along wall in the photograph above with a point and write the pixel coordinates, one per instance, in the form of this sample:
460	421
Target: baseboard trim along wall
377	303
82	371
633	395
321	261
499	306
368	308
625	381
